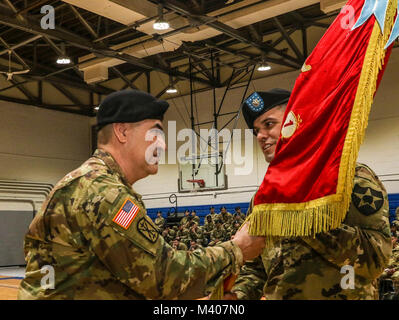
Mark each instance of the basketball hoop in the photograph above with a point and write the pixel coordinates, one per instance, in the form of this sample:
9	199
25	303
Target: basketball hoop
201	182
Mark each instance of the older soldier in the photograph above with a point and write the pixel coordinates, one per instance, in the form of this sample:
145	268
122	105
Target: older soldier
94	231
306	267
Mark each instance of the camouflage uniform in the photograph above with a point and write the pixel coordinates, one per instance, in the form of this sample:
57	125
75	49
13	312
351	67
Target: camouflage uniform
180	246
196	219
308	268
217	236
212	215
225	217
185	220
207	229
95	258
184	235
160	222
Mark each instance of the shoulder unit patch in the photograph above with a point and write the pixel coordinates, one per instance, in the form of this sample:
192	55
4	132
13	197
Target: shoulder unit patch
367	200
147	230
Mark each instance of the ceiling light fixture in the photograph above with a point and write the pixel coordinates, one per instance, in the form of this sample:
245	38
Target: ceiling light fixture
171	88
160	23
264	67
63	58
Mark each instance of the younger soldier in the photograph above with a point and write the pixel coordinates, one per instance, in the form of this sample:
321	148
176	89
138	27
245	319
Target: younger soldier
307	267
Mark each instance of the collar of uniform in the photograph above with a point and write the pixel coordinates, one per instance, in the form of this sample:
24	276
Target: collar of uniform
110	162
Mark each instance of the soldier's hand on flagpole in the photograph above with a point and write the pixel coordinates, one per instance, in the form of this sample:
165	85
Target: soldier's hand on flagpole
250	246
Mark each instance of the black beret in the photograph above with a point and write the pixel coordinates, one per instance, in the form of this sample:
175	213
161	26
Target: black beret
130	106
261	101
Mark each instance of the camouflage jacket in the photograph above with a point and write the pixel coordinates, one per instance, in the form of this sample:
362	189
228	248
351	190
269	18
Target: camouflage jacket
213	216
225	218
310	268
96	256
218	234
159	222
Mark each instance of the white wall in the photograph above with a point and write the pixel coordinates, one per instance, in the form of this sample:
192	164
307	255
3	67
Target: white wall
39	145
380	149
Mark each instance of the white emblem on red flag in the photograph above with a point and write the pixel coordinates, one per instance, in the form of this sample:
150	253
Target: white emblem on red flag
126	214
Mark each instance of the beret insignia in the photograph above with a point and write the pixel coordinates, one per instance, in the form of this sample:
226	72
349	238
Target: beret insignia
255	102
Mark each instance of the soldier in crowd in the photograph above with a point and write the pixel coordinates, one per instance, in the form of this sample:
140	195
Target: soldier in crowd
166	234
241	214
194	217
186	218
394	228
196	233
208	227
212	214
234	229
218	234
178	245
307	267
160	221
184	234
93	228
237	218
225	216
391	273
194	245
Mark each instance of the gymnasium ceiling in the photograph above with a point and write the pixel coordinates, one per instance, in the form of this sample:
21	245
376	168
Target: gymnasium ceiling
113	46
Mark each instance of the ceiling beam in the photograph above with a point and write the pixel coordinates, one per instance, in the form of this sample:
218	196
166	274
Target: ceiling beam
82	43
231	32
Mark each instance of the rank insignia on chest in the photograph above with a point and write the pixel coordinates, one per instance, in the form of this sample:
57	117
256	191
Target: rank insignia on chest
126	214
147	230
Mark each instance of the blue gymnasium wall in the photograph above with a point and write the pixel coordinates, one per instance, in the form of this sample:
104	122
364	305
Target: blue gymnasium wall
203	210
393	204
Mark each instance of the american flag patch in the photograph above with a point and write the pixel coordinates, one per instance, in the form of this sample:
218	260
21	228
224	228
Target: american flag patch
126	214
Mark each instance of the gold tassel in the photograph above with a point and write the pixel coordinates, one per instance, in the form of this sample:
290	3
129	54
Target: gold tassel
327	213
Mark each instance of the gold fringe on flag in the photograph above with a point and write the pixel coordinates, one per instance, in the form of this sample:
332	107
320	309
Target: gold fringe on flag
327	213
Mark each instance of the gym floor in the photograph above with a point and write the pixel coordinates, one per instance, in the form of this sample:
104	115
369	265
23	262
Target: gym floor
10	277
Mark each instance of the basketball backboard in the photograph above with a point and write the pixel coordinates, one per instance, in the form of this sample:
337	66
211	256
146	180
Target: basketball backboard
204	172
